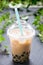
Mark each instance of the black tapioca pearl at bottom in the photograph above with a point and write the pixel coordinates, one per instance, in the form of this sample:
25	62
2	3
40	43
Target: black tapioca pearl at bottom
13	56
16	55
22	55
16	60
23	52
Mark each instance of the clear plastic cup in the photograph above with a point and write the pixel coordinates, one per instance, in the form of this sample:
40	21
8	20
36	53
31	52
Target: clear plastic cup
20	44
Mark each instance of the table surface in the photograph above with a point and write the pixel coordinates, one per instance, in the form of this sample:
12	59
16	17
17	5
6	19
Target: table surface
36	55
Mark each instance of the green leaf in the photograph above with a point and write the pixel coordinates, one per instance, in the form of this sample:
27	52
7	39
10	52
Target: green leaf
5	3
7	15
38	17
7	23
41	36
40	28
4	17
36	22
1	19
13	3
33	1
4	26
0	9
1	38
5	46
40	11
1	31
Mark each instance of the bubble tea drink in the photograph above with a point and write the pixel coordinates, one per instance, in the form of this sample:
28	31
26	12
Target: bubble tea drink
20	44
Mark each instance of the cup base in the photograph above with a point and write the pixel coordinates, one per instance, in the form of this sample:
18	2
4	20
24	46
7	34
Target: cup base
22	58
20	61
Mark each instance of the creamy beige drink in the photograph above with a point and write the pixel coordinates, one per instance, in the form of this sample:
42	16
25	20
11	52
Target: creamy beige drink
21	44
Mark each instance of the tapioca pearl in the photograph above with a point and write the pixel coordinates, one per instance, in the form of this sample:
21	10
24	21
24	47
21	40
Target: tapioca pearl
23	52
13	56
16	59
19	57
22	55
16	56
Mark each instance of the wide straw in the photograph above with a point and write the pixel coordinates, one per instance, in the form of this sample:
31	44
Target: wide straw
18	20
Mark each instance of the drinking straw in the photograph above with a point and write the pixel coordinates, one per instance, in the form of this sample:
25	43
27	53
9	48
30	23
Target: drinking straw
18	20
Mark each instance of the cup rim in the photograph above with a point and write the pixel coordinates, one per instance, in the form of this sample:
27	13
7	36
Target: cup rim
30	27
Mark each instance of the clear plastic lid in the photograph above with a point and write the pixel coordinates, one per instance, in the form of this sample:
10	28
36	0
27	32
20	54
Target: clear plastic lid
14	31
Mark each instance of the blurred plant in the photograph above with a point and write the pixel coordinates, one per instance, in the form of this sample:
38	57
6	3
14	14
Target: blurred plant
7	21
3	4
2	31
38	22
26	3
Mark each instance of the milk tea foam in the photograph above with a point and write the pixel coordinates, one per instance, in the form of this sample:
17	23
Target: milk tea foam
21	44
18	36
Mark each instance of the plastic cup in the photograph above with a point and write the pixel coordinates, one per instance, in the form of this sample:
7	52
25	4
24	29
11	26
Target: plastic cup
20	44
